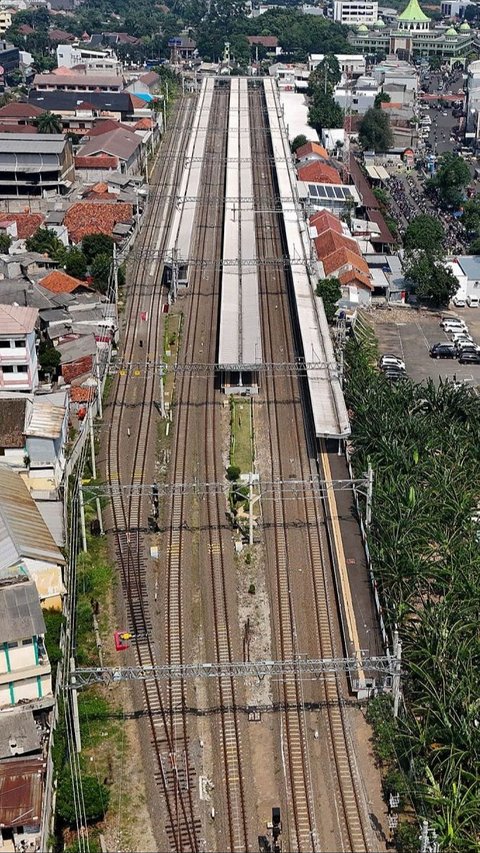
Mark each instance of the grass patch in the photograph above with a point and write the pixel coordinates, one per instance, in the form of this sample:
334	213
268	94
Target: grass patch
242	453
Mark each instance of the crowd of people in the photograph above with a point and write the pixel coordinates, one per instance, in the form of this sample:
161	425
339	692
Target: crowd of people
408	199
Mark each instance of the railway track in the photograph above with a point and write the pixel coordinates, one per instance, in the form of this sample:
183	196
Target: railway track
197	441
293	452
129	448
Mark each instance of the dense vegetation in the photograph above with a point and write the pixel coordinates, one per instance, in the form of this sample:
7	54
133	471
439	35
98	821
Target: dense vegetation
425	256
211	24
422	441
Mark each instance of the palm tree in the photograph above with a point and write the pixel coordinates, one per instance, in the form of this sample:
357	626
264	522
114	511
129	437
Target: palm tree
49	123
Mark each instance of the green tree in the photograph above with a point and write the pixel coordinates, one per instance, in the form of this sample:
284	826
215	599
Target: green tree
451	178
325	76
324	112
95	795
96	244
471	214
330	292
381	98
424	232
297	143
49	123
49	358
76	263
474	248
433	281
5	243
46	242
100	270
375	133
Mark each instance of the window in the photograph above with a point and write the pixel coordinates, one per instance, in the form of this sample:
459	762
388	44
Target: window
7	368
12	645
19	344
27	642
4	344
22	368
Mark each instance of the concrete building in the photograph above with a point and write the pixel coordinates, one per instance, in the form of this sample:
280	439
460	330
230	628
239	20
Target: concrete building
78	82
25	673
413	34
18	353
455	8
351	64
5	20
70	55
355	11
27	547
466	269
360	96
38	164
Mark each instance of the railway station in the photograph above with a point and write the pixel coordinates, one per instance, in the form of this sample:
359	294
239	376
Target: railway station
235	243
179	247
239	338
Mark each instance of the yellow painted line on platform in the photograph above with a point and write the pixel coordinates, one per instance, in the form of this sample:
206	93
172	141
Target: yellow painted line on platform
341	562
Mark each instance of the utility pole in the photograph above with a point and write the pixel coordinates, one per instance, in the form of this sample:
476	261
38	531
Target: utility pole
161	374
115	273
74	706
82	520
174	289
92	441
397	654
368	514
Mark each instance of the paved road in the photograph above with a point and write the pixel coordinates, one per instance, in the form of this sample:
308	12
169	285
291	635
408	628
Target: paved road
410	334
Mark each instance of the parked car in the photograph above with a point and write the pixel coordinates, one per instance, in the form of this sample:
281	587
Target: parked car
473	301
442	350
460	336
464	343
394	375
468	356
459	301
449	326
389	360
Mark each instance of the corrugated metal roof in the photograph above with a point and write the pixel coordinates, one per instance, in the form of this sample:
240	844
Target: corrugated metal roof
21	616
21	789
23	532
35	143
45	420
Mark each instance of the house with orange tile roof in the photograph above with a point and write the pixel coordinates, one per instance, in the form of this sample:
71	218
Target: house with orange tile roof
330	241
88	217
323	220
311	151
58	281
318	172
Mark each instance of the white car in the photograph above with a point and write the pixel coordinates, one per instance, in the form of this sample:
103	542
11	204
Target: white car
389	360
458	336
453	325
463	342
459	301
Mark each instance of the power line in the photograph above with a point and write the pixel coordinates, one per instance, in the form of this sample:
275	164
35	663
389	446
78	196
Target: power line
299	667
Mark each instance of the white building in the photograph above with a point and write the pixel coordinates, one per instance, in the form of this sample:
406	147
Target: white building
101	60
360	96
355	11
25	673
18	353
351	64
